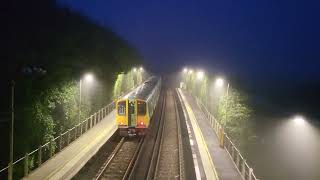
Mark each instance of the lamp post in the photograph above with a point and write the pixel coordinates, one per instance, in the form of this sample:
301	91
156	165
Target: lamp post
10	170
220	83
87	77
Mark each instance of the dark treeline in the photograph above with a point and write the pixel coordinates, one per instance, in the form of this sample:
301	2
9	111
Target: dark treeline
46	49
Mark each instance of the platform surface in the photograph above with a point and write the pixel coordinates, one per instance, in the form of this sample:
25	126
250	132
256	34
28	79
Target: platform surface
211	157
65	164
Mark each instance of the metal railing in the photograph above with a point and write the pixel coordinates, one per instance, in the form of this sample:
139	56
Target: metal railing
242	166
44	152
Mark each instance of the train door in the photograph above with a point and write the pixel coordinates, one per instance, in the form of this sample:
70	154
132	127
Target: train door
131	113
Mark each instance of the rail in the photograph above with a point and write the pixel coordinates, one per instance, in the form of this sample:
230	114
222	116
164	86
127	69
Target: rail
34	159
239	161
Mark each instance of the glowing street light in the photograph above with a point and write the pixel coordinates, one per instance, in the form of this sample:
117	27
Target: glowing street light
200	75
134	69
185	70
219	82
299	120
141	69
88	78
190	71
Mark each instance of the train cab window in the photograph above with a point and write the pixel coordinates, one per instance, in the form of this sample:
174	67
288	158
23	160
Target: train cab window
122	108
142	108
131	107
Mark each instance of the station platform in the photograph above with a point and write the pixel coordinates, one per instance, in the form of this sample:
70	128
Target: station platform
68	162
211	161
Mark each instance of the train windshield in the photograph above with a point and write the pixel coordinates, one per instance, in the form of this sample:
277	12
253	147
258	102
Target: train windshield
122	108
141	108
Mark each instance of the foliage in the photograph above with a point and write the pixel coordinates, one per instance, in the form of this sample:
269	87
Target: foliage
234	113
231	110
41	35
118	86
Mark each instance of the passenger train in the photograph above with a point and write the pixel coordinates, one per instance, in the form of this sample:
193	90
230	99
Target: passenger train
134	111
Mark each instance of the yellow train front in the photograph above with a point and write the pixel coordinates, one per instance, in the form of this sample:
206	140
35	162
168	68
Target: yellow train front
134	111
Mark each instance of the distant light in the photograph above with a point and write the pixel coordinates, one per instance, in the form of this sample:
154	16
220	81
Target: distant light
219	82
185	70
299	120
134	69
200	75
88	77
190	71
141	69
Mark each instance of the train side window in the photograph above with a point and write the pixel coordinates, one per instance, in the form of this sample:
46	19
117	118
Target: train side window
142	108
122	108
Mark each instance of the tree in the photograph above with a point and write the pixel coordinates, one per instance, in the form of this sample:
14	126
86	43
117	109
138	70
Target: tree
234	113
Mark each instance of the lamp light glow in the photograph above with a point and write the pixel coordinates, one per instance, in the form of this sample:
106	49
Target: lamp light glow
219	82
88	77
200	75
299	120
185	70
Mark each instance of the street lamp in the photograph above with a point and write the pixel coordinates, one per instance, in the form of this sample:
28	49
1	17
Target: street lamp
200	75
220	83
134	69
89	78
299	120
185	70
141	69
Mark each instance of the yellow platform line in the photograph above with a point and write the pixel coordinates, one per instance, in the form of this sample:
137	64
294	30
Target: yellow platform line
205	156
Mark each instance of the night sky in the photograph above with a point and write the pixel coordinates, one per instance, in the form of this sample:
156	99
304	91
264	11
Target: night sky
261	42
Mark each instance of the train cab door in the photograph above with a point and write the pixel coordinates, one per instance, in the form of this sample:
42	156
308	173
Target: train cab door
131	113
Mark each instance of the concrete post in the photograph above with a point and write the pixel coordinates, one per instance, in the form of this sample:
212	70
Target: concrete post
243	170
238	160
91	120
60	142
80	128
26	164
68	136
221	135
250	173
50	145
40	155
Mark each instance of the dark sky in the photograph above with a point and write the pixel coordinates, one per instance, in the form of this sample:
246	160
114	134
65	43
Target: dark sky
269	41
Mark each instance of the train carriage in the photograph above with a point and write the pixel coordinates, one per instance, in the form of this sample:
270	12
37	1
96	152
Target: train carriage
133	113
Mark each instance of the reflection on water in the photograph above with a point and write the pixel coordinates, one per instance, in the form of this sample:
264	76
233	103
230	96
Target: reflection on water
286	150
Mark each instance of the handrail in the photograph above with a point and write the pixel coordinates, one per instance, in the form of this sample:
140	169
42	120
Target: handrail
242	166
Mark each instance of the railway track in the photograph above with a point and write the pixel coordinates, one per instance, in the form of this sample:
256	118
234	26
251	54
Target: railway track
167	158
121	160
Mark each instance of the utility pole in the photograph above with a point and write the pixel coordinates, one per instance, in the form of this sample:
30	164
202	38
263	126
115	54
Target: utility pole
80	86
10	170
227	103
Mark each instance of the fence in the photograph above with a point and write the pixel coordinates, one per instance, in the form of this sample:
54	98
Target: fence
242	166
35	158
32	160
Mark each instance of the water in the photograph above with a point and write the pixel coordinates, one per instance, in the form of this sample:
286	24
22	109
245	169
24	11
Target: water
285	149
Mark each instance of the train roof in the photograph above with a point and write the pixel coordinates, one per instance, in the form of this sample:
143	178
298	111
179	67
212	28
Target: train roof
144	90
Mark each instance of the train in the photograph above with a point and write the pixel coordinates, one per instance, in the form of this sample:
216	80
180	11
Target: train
134	111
